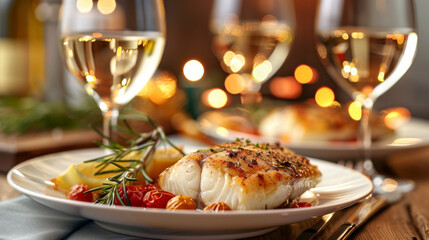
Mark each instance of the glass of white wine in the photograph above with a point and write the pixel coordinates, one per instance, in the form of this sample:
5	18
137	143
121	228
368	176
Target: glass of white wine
113	47
252	38
367	46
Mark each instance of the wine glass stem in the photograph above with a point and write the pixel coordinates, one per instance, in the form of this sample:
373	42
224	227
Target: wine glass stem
110	122
366	132
366	136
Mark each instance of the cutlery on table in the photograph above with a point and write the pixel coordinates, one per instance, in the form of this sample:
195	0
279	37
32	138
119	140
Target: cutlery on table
314	230
367	208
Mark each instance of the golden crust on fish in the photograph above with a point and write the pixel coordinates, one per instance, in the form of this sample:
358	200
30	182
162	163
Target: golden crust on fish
241	174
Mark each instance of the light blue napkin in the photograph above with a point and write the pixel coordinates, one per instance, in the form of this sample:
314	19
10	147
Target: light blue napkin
23	218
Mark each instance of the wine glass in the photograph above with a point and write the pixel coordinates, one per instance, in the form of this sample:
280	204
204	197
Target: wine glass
252	38
367	47
113	47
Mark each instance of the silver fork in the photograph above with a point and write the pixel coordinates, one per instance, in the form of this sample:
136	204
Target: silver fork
368	207
387	187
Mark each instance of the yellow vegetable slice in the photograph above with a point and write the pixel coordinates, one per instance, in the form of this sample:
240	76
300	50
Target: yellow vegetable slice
162	159
83	173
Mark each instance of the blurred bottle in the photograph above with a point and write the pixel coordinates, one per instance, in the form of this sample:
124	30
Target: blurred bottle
21	49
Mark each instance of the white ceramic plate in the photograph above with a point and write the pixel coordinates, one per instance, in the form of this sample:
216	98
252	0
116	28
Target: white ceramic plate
411	135
340	187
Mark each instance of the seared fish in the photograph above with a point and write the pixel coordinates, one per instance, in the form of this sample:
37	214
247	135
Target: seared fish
242	174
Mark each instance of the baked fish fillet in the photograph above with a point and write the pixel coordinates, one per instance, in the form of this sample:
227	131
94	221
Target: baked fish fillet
242	174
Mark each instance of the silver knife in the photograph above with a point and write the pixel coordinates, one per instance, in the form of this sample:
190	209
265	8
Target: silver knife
314	230
367	208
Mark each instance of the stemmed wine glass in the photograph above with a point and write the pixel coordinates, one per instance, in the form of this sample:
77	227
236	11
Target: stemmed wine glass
367	46
252	38
113	48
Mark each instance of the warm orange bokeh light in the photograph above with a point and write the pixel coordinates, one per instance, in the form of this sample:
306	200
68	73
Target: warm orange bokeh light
285	87
193	70
160	88
215	98
355	110
235	84
304	74
396	117
324	97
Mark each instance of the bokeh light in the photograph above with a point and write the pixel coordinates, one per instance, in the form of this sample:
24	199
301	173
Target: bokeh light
261	71
285	87
355	110
215	98
235	83
324	97
84	6
305	74
227	57
164	87
160	88
106	6
193	70
237	62
396	117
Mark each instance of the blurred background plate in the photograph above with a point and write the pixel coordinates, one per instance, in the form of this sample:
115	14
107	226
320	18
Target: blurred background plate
411	135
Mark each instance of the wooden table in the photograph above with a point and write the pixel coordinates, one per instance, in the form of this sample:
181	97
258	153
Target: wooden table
393	222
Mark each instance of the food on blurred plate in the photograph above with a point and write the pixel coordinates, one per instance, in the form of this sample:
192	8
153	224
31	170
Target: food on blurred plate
239	121
292	123
241	174
309	122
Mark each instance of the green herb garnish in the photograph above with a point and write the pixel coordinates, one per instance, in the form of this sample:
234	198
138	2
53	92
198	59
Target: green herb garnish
140	144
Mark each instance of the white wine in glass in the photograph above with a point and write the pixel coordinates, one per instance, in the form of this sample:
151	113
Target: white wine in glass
367	46
368	63
112	50
252	37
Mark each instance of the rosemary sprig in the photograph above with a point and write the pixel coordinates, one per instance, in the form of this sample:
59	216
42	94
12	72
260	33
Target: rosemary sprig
140	144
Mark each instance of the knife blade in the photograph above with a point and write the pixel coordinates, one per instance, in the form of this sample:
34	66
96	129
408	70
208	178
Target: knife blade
366	209
314	230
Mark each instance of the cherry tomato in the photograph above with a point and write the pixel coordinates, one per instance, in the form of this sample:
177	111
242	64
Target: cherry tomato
157	198
146	188
77	192
301	205
135	196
